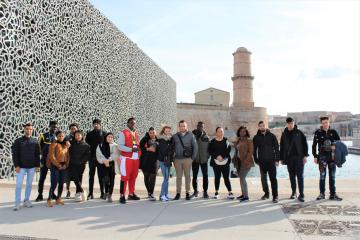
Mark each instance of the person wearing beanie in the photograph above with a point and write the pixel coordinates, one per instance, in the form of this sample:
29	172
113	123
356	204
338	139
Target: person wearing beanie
293	153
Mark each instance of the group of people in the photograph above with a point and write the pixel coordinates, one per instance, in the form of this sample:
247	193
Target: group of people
188	151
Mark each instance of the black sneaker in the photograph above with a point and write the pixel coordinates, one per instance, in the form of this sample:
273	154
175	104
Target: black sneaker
266	196
244	199
187	196
133	197
335	197
53	196
240	197
39	198
68	194
90	196
293	196
177	196
206	195
275	200
321	196
104	196
301	198
122	200
195	194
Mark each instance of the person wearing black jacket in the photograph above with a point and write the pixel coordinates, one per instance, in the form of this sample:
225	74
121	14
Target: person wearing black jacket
165	156
26	158
219	151
94	138
44	141
324	140
79	156
266	155
293	152
73	127
148	161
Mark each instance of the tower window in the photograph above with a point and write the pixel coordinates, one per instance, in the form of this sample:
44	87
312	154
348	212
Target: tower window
211	97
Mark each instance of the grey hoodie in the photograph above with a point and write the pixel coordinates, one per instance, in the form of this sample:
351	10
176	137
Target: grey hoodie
189	141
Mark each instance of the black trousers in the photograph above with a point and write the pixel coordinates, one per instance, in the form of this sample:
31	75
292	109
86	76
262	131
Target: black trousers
204	170
295	166
43	173
92	169
269	167
223	170
149	181
77	172
108	177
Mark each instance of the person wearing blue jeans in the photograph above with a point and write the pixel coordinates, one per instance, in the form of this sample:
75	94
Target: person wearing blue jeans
26	158
165	157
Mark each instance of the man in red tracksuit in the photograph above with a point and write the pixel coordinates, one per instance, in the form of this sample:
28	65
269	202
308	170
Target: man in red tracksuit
128	142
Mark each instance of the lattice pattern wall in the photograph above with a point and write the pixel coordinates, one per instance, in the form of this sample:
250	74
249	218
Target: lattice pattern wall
64	60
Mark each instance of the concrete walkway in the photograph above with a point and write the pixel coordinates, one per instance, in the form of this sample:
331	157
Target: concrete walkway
195	219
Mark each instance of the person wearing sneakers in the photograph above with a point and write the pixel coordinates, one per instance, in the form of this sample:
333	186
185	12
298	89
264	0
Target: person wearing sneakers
324	143
219	151
106	154
44	141
243	160
186	150
57	161
73	127
130	153
26	158
165	157
79	156
148	161
201	160
294	153
266	155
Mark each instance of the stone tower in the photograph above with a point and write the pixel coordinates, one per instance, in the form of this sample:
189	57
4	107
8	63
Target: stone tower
242	79
243	111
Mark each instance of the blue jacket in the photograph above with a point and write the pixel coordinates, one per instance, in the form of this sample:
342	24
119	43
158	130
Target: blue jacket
341	152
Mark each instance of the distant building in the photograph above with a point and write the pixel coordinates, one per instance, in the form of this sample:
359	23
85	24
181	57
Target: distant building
212	106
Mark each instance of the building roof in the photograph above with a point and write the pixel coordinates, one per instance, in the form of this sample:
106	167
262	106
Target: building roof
211	88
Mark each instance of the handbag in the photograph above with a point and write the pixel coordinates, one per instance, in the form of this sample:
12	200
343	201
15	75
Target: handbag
187	152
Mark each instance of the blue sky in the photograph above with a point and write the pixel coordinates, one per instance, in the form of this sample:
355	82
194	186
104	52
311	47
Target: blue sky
303	52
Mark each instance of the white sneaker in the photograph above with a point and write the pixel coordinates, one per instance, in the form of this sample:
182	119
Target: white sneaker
151	198
231	196
83	196
217	196
78	197
28	204
16	208
164	198
168	197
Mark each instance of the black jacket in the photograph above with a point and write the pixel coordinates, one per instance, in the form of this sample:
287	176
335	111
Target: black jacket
94	138
26	152
166	149
266	147
320	137
45	139
293	144
148	160
79	153
222	148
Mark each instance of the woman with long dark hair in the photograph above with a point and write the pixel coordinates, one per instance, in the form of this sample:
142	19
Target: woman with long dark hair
57	161
148	161
219	151
106	154
243	160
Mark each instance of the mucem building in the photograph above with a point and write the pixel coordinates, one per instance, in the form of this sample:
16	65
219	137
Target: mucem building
63	60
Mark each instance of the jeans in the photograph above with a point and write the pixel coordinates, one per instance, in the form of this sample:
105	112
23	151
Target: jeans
204	170
165	170
30	172
243	184
266	168
295	168
57	178
323	163
225	171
